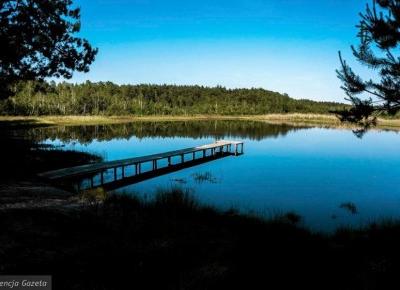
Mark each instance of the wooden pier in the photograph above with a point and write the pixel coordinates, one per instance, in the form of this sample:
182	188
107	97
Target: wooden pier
90	171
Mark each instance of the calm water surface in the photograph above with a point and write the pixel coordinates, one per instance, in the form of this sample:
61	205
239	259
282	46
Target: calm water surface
310	171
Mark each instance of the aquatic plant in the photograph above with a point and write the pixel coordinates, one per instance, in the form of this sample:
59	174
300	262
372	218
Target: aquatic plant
349	206
204	177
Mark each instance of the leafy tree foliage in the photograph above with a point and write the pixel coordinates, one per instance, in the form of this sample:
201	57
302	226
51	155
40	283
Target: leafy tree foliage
106	98
38	40
379	34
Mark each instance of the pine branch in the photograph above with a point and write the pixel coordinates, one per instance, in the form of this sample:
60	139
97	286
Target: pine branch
379	34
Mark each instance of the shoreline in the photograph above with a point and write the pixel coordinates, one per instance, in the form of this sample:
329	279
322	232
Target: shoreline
323	120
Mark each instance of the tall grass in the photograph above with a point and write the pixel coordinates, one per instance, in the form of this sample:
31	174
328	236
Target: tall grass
176	198
173	242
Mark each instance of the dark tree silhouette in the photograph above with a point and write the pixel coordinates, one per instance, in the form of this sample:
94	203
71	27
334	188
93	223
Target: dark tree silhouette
379	34
38	40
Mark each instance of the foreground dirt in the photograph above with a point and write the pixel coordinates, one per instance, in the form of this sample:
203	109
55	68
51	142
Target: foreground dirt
31	194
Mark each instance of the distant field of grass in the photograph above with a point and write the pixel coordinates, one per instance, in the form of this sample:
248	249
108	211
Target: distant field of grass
293	119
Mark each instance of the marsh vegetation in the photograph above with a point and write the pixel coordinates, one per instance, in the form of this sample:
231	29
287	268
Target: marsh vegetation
173	242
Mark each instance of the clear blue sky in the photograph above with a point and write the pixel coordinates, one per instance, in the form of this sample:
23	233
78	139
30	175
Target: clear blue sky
288	46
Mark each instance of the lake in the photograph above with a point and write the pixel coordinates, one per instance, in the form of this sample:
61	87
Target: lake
307	170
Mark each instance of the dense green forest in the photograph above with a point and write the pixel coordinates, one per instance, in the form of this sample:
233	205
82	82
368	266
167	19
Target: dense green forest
106	98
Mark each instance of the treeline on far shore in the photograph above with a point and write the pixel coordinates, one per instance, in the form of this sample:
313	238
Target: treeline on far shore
33	98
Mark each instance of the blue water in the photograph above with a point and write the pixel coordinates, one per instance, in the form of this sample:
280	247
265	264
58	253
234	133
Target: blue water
308	171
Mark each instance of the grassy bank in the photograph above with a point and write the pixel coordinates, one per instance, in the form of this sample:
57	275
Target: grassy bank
293	119
175	243
22	158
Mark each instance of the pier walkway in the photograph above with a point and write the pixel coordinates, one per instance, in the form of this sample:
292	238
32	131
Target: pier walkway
206	152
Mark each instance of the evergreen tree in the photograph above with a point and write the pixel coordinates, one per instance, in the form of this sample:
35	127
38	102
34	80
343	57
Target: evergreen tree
379	34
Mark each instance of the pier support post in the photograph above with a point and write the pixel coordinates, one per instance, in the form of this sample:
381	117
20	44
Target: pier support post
91	182
115	173
236	149
182	158
123	171
102	177
194	156
169	161
204	153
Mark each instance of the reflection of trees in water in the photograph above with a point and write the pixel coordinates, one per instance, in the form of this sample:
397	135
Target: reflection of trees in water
254	130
